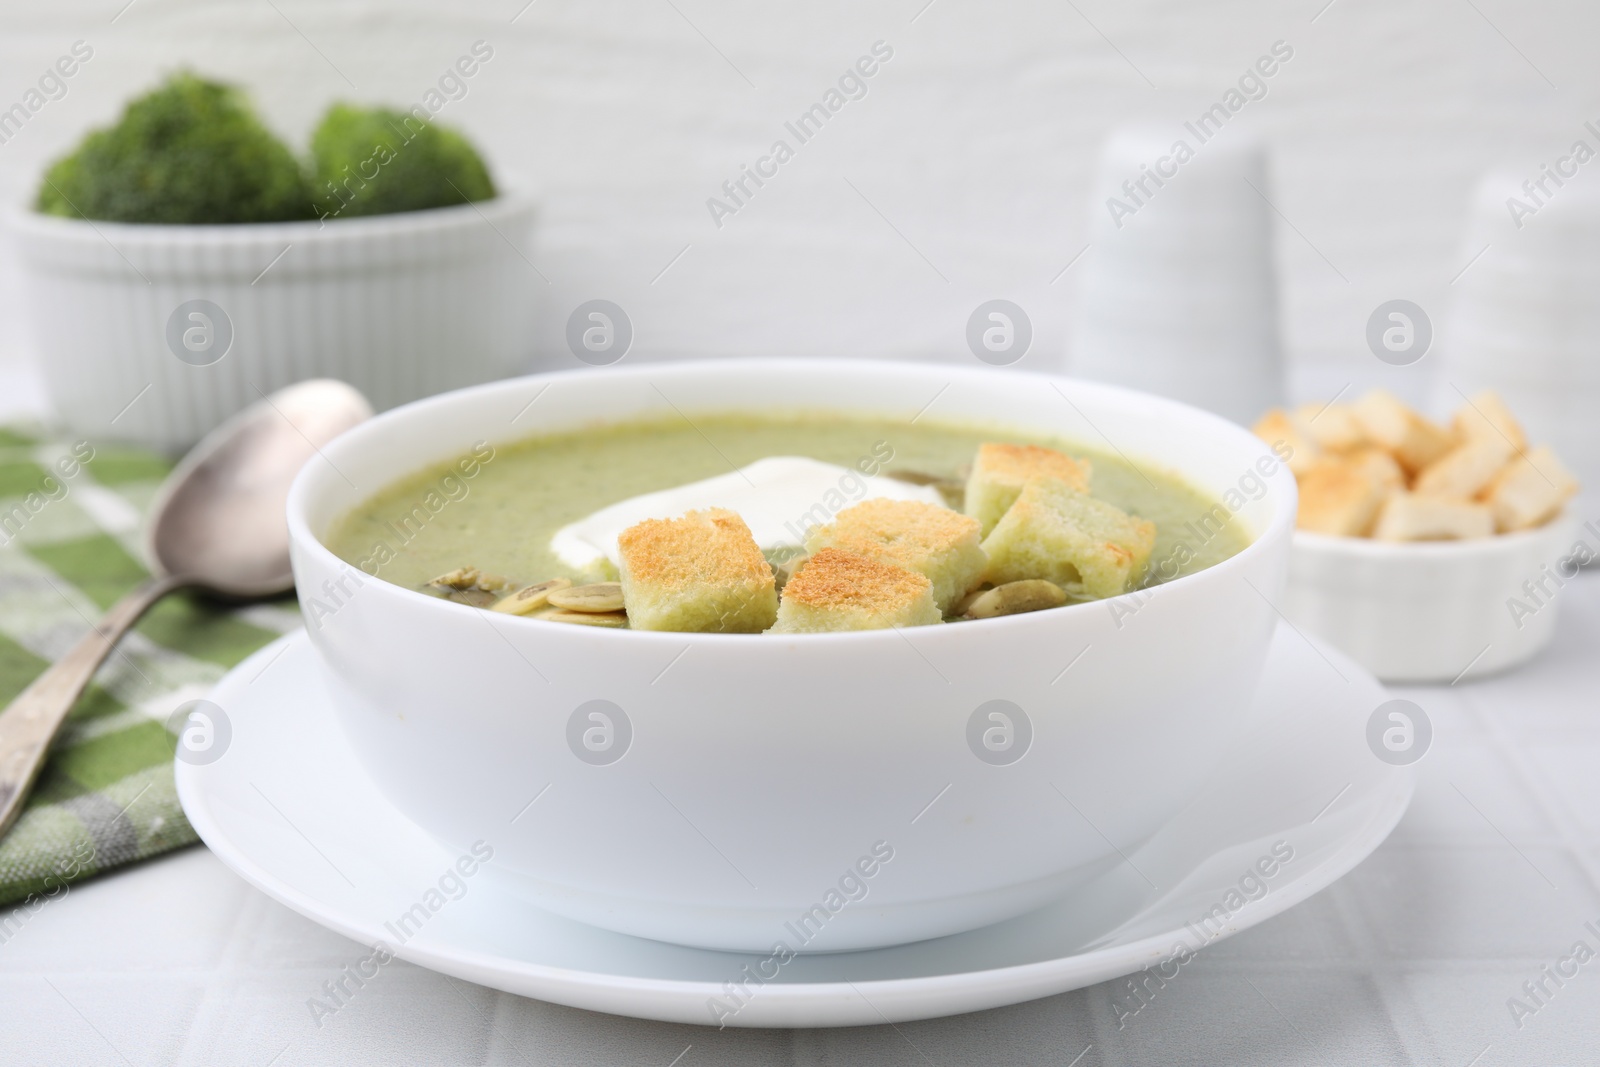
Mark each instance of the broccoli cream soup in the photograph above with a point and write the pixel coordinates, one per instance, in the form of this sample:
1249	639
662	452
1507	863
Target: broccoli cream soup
811	522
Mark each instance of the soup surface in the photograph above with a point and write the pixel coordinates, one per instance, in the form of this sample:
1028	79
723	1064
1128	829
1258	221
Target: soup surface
501	516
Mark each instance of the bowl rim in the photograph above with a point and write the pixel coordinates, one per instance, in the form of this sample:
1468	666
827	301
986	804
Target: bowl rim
21	219
1368	548
1279	526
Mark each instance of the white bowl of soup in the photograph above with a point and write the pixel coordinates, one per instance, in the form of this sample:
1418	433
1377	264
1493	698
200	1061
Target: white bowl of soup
768	792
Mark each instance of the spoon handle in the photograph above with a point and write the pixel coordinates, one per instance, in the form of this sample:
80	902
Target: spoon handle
30	722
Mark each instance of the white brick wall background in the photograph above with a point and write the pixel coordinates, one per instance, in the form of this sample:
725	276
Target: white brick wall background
977	142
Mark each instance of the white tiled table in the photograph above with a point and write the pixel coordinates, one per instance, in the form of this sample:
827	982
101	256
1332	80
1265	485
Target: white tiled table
1410	959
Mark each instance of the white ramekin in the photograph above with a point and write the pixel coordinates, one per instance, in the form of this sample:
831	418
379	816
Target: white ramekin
763	770
400	306
1435	611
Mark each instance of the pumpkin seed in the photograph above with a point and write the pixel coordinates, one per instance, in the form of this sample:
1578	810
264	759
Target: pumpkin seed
1013	598
959	609
469	585
586	618
531	598
597	598
460	578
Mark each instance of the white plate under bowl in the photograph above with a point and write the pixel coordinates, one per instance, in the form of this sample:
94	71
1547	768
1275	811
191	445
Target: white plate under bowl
287	806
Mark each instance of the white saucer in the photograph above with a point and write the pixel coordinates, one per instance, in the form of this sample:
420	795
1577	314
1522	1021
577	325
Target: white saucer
289	809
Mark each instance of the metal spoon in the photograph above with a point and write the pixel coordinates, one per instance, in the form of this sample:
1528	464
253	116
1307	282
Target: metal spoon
217	525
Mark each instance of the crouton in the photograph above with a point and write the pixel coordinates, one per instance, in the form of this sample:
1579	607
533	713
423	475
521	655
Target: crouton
935	542
1411	439
1000	471
1466	469
1529	490
1378	465
1084	545
1340	499
702	573
1281	430
1409	517
1486	415
1334	427
839	590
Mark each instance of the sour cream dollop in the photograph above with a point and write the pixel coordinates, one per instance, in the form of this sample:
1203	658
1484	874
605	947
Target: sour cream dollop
778	497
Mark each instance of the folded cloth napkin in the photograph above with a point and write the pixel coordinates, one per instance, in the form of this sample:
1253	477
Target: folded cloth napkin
71	542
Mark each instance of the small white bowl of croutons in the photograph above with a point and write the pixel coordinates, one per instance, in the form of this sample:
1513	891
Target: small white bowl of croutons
1428	553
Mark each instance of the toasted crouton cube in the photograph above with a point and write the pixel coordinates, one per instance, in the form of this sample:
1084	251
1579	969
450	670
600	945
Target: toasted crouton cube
1084	545
933	541
1371	461
1333	427
1413	440
702	573
1529	490
1339	498
1378	465
1409	517
1486	415
839	590
1000	471
1466	469
1283	431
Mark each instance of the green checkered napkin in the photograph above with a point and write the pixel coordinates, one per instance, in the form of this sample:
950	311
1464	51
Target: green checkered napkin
106	796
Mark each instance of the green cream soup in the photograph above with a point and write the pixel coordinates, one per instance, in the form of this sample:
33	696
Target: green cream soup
497	509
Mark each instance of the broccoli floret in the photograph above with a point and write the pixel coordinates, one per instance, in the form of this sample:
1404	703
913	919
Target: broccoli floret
376	161
190	152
